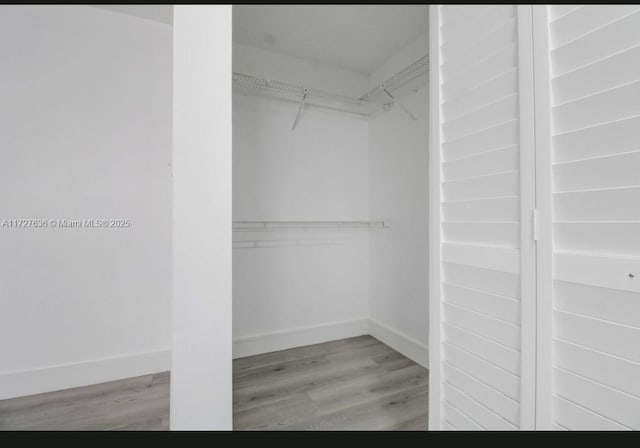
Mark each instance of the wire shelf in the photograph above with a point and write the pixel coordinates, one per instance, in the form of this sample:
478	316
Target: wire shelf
414	74
365	106
251	85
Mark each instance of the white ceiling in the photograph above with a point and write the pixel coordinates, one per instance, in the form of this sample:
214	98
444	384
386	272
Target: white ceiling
357	37
159	13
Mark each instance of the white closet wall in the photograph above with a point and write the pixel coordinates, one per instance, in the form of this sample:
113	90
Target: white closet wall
85	132
300	286
399	191
482	248
594	61
201	368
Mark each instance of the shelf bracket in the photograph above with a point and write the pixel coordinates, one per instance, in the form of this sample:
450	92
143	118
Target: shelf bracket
393	101
300	109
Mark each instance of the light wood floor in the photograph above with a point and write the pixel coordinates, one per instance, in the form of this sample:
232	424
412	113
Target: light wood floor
350	384
140	403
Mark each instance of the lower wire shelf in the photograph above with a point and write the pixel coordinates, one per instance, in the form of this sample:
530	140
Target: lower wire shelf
262	226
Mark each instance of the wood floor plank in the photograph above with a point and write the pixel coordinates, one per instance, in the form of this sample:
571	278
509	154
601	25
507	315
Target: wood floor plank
246	378
275	388
367	388
325	348
134	403
290	410
384	414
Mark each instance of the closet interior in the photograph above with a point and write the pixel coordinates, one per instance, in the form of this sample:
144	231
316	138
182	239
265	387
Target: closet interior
330	216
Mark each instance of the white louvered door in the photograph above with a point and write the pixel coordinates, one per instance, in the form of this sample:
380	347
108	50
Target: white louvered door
483	277
593	119
535	108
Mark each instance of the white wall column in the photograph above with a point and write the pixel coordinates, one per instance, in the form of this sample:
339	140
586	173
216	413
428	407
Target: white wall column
201	385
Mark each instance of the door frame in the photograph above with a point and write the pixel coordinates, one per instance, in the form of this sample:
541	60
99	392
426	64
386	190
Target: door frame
544	206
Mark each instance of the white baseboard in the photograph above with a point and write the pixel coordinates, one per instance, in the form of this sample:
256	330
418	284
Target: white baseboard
408	346
30	382
297	337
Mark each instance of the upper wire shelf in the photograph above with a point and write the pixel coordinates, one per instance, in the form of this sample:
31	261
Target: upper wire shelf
411	76
251	85
408	78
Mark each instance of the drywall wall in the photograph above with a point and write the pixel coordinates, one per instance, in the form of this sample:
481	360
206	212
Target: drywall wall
280	67
308	286
399	191
201	385
85	132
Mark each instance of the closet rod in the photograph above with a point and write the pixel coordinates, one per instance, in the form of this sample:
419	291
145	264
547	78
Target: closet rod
255	226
